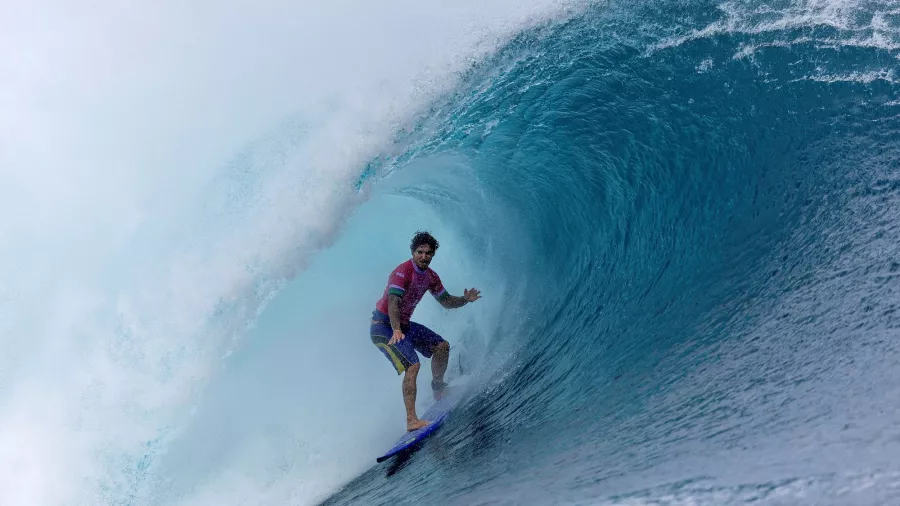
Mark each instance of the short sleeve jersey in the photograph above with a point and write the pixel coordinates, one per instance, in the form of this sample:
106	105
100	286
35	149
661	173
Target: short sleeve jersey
410	283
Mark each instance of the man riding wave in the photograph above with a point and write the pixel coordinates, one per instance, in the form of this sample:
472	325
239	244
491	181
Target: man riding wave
399	338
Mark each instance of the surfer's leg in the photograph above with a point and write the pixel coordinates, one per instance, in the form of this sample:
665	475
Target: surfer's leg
409	398
403	357
440	355
431	345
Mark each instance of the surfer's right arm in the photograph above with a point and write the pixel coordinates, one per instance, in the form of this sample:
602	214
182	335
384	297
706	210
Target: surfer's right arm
394	313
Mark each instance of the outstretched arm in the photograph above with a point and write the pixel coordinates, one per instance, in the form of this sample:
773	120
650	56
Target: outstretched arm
454	301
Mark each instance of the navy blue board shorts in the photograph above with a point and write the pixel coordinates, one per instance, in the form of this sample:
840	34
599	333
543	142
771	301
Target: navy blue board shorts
403	354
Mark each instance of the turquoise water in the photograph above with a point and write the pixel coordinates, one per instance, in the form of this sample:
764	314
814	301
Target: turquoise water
698	209
682	217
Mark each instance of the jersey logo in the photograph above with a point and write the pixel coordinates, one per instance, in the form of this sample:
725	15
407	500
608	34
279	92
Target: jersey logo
400	274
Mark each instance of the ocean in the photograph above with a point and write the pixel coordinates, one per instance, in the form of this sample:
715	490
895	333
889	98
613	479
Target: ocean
683	218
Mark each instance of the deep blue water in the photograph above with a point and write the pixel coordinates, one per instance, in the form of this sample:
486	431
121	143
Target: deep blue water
693	208
682	215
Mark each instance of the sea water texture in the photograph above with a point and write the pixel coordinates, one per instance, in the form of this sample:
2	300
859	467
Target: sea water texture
683	217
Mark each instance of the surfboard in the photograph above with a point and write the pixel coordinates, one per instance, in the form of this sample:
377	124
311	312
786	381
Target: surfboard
436	414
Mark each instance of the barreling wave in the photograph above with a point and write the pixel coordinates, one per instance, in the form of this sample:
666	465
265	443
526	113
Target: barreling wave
682	217
692	209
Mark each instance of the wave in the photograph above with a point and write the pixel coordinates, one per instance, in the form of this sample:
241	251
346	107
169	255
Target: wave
700	254
169	169
681	217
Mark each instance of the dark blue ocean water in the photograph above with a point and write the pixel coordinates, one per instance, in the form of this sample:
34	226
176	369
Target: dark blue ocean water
694	210
682	215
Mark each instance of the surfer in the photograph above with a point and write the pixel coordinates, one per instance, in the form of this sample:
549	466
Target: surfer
398	338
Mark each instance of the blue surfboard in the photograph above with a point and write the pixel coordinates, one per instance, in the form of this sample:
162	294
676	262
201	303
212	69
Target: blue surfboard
436	414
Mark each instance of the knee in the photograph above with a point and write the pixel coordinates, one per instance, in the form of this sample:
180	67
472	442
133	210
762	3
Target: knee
413	370
442	347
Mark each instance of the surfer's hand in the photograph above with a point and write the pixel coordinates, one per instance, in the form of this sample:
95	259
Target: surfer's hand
397	337
471	295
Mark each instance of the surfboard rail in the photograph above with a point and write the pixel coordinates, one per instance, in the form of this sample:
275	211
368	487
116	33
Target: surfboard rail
436	415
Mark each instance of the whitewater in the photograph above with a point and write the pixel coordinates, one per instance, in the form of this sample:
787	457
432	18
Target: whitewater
682	218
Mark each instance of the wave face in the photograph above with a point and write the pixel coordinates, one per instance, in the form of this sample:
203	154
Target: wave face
694	210
683	218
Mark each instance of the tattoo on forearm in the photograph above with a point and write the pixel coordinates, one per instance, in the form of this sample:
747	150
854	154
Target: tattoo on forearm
453	301
394	311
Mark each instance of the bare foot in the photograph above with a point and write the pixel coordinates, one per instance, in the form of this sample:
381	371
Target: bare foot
439	391
416	424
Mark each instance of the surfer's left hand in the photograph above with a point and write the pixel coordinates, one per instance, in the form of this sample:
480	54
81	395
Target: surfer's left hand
471	294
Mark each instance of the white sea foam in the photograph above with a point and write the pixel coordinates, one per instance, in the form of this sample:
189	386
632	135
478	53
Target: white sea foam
878	29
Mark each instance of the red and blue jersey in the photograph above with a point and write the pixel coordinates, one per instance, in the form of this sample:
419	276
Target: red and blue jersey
410	283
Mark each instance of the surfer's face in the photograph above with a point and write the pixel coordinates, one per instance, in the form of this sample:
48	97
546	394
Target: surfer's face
422	256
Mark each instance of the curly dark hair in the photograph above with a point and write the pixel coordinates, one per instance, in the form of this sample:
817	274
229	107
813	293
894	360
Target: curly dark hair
423	238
